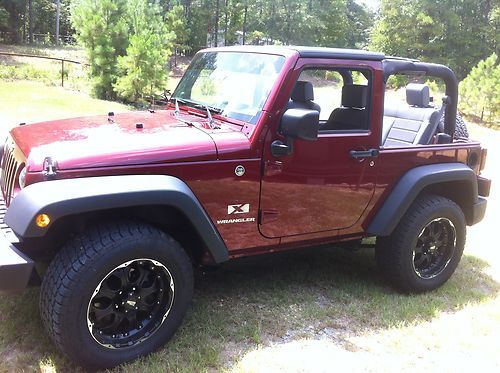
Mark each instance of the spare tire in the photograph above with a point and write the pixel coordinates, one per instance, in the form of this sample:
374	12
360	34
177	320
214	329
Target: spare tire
460	127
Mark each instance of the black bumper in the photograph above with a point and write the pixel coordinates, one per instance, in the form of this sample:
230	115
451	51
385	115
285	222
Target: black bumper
15	267
478	210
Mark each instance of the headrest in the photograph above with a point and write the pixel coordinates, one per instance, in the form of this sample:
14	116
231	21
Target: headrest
354	96
303	92
417	95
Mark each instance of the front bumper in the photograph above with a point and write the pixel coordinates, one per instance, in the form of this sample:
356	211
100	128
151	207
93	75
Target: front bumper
15	267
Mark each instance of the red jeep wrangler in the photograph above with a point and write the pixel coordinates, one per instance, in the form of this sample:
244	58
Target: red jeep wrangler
243	161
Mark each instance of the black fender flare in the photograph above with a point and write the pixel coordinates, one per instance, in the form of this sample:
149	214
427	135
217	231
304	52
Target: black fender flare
411	185
60	198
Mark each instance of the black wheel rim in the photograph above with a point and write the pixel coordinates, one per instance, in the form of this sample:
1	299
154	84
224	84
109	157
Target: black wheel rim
434	248
130	303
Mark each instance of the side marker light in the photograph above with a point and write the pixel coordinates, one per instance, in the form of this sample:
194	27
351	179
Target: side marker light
42	220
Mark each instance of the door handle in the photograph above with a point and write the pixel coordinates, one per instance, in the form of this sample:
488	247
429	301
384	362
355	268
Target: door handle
357	154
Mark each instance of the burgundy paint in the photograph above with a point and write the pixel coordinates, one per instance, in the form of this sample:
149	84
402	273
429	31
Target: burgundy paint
316	195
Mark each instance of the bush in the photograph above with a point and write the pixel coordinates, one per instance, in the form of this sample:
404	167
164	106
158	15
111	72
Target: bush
397	81
479	93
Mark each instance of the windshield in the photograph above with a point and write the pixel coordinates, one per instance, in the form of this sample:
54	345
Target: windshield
233	84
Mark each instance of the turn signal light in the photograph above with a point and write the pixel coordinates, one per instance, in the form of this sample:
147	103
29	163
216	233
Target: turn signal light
42	220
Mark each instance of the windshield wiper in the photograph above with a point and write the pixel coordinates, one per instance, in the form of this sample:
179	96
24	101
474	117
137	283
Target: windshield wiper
209	110
177	111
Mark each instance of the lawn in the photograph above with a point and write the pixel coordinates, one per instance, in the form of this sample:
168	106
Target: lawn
23	101
313	310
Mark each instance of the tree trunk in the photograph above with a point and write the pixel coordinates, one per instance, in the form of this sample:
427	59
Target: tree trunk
216	29
225	21
30	16
245	24
58	19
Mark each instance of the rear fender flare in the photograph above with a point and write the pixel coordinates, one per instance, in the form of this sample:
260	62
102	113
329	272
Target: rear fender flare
412	183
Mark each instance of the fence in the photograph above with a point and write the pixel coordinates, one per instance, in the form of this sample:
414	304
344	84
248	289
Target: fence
62	60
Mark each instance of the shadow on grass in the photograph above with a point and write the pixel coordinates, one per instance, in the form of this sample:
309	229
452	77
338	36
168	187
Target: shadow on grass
269	298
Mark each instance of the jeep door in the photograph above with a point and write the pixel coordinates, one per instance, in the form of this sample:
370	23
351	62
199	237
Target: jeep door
321	186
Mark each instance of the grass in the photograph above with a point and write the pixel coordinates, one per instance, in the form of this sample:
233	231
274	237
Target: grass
14	68
48	72
297	311
23	101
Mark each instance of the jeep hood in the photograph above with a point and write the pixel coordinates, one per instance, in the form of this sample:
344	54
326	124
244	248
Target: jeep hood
98	142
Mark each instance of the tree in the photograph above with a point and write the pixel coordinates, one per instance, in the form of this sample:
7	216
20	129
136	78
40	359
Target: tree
479	93
58	19
455	33
143	67
103	31
177	23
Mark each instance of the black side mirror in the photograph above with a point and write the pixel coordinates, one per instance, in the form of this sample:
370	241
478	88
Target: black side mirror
300	124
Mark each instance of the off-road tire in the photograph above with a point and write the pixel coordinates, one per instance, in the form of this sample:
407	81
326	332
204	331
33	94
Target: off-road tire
78	270
461	131
394	254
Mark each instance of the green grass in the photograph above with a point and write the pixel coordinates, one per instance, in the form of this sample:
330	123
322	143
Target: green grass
297	311
48	72
23	101
259	302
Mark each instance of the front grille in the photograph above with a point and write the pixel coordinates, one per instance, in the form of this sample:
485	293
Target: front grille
11	164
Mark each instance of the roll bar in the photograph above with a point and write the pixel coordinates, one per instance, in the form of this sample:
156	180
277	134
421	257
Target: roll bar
394	66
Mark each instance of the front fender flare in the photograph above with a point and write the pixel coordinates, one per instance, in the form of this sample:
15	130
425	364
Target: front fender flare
59	198
411	184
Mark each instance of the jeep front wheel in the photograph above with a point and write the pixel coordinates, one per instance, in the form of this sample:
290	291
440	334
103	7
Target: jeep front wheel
426	246
116	292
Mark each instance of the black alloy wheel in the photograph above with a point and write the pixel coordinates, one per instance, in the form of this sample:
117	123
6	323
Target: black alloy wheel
435	247
115	292
130	304
426	246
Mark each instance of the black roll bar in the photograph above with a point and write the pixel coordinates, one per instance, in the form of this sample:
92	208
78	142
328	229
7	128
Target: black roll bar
395	66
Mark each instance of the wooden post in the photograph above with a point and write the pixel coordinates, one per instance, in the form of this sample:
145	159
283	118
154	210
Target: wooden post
62	73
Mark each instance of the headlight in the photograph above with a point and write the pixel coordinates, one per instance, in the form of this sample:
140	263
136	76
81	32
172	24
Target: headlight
22	177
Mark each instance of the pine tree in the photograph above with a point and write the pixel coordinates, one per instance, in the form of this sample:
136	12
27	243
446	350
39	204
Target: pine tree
103	30
143	70
479	93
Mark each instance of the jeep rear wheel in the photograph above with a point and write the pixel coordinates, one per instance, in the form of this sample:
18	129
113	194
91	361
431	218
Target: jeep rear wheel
116	292
425	248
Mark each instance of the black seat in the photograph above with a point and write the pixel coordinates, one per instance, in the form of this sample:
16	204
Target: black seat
352	114
302	97
415	124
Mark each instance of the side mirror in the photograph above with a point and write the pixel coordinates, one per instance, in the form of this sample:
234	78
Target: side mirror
300	124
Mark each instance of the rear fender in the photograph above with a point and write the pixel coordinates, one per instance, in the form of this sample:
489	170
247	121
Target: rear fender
421	179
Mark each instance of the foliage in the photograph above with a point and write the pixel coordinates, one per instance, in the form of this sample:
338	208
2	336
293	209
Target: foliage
456	33
479	91
142	69
177	23
103	30
44	19
4	18
334	23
